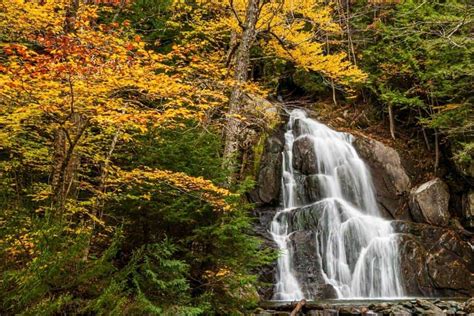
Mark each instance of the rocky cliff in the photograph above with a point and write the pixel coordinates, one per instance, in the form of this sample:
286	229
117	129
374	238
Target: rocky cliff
436	251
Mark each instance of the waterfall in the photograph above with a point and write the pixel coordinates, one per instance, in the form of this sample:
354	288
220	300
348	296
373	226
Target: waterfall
356	248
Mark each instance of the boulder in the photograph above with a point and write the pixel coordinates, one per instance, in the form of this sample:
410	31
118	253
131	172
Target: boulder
390	178
469	306
313	188
268	187
434	261
307	268
304	155
429	203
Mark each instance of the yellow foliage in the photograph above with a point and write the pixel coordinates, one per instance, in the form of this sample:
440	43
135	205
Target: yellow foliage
202	188
96	72
103	77
295	30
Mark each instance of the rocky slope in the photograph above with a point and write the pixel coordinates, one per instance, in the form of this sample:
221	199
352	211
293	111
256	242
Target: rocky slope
436	251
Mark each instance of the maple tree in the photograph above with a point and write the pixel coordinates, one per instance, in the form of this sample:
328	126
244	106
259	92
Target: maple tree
97	77
293	31
74	92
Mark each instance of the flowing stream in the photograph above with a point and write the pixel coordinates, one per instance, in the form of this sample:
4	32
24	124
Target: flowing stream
356	247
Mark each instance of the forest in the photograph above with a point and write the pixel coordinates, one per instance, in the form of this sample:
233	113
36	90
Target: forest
133	136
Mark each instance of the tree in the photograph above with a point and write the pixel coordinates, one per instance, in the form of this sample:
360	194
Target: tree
420	66
81	94
93	78
294	31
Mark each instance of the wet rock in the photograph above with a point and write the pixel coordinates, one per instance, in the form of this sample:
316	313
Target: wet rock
305	218
428	306
348	310
304	155
307	268
345	310
434	261
442	261
399	311
297	128
429	203
268	187
390	178
327	291
469	306
266	273
313	189
300	190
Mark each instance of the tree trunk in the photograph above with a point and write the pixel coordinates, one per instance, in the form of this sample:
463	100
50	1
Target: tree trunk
65	162
65	159
436	151
391	121
71	16
242	61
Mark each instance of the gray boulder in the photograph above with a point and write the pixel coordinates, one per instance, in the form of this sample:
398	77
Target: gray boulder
429	203
304	156
269	177
307	268
313	189
390	178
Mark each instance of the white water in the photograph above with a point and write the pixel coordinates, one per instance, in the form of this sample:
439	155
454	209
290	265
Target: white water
357	248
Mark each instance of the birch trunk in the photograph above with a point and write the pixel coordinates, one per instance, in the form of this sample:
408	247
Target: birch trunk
233	127
391	121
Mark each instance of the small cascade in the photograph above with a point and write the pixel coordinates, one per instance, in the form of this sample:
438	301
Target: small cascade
287	287
356	248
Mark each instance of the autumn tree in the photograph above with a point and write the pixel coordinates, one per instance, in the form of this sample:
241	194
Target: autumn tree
80	94
294	31
85	77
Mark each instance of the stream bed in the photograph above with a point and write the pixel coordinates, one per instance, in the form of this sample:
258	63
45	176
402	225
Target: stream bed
406	306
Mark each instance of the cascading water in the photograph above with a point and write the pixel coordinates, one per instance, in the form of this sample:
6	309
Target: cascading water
357	250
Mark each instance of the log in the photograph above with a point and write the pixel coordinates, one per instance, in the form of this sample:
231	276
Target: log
298	307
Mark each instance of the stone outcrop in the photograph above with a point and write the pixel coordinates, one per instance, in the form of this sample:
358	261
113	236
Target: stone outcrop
266	196
391	181
434	261
268	187
264	216
304	156
429	203
307	267
468	210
